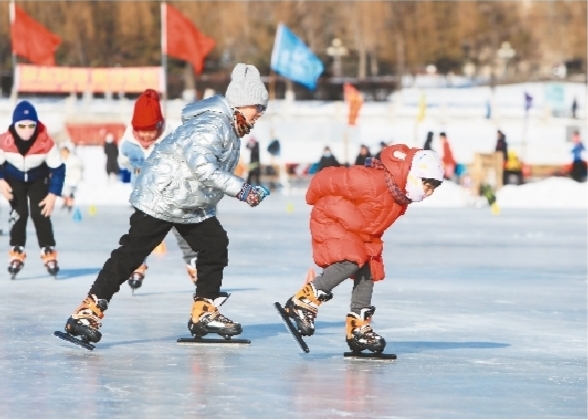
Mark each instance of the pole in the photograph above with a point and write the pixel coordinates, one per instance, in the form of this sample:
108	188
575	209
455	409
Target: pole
164	56
272	85
14	92
346	145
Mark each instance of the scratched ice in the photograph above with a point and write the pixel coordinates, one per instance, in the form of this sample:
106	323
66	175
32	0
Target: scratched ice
487	315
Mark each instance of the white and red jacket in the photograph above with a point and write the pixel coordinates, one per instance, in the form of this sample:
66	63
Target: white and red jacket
42	160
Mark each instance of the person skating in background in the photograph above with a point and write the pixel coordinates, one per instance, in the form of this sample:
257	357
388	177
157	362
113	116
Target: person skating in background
383	145
31	179
147	129
364	153
73	176
352	208
501	145
449	162
429	141
111	152
578	171
179	186
253	175
327	159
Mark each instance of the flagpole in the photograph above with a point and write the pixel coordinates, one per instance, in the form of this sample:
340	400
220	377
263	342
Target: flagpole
14	93
272	85
164	55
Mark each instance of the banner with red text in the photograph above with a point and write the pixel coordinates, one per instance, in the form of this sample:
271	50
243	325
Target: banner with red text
44	79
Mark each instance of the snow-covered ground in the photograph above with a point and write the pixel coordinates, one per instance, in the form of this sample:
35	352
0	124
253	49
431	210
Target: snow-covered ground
549	193
305	127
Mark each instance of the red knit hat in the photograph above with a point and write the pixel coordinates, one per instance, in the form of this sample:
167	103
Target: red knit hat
147	115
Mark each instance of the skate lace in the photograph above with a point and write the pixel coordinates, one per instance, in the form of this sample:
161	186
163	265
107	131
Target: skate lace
305	310
307	316
367	333
221	318
51	264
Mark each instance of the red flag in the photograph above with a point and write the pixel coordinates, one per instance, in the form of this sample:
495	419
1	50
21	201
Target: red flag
183	40
31	40
355	100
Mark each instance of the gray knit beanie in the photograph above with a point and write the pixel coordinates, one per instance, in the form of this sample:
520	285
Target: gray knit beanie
246	87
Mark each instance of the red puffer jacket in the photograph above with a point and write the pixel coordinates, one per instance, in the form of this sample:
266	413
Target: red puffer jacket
352	209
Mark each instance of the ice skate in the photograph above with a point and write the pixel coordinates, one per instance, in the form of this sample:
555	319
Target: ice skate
207	319
16	259
303	307
359	334
85	322
136	279
49	257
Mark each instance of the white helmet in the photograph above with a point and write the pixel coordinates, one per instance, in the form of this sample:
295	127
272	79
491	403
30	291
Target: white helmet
426	164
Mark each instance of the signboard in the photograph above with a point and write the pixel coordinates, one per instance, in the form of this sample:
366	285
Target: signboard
41	79
93	133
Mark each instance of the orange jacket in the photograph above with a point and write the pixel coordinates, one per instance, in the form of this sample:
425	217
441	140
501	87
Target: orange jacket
352	209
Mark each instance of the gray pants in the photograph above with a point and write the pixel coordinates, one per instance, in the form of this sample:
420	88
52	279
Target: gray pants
363	286
188	253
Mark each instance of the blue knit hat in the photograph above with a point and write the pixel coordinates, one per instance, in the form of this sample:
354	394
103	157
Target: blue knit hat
24	111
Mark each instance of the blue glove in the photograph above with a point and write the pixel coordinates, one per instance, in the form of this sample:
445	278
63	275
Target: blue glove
252	195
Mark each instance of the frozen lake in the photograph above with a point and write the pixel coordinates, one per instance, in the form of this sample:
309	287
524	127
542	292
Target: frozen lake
487	315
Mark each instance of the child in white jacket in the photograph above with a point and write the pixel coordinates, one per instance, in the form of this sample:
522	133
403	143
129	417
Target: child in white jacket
146	131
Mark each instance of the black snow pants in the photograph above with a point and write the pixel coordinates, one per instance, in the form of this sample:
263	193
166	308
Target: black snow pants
208	238
28	195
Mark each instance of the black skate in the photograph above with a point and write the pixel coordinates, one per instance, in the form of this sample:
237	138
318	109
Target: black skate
302	308
360	336
85	322
49	257
14	267
136	279
17	257
292	328
210	320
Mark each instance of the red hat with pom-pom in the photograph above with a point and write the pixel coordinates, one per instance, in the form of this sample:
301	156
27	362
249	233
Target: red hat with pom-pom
147	115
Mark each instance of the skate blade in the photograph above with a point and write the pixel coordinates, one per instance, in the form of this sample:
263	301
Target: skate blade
292	328
195	340
72	339
373	356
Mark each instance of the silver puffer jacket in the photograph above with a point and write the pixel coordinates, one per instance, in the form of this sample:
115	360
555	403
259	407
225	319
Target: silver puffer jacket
188	173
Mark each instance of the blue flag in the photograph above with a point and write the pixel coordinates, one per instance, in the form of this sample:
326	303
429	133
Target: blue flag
292	59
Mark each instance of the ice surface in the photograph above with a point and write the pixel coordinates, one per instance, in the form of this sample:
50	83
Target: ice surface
486	313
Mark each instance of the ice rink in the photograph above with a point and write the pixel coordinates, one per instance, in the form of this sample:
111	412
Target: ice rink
486	313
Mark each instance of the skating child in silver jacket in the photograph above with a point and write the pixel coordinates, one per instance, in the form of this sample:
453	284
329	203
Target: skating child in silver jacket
179	186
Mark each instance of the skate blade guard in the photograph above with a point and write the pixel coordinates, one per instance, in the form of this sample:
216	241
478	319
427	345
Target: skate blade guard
292	329
369	356
70	338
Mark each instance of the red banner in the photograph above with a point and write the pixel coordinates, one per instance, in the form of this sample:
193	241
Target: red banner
83	79
93	133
